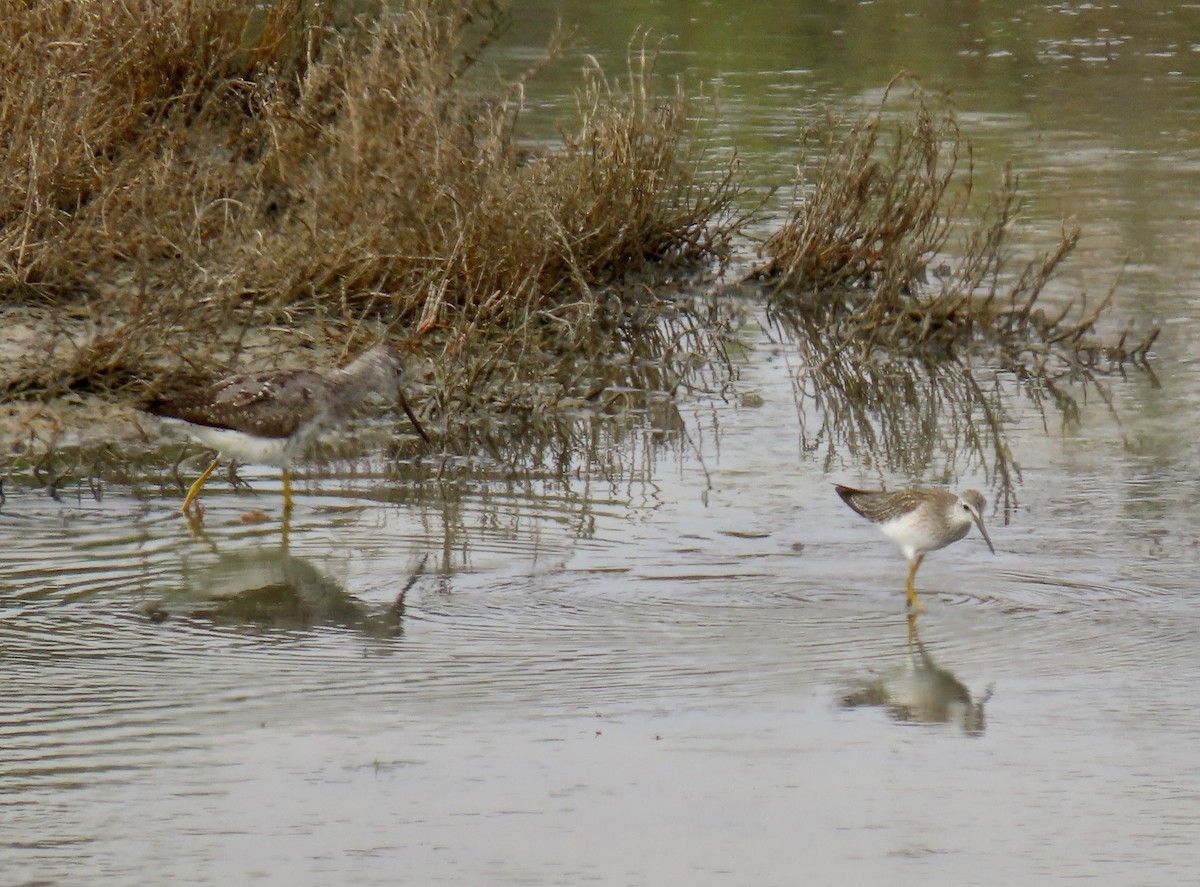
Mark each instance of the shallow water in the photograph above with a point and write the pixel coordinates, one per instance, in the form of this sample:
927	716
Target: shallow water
699	672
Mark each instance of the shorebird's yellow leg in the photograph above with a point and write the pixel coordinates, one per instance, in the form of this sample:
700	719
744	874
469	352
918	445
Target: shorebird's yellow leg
287	491
195	488
913	600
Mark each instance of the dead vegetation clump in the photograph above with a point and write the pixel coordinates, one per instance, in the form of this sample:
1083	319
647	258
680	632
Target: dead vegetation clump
878	206
181	180
904	363
887	196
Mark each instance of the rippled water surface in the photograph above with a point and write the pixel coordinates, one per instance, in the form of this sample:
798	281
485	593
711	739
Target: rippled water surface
698	671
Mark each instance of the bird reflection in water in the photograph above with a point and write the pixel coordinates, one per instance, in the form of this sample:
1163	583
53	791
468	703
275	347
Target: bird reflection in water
270	589
921	692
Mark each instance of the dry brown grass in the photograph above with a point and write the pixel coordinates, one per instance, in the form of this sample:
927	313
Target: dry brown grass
877	204
886	198
182	181
909	368
180	175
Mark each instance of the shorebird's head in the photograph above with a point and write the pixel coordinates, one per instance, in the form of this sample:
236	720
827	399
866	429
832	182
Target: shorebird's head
385	369
971	503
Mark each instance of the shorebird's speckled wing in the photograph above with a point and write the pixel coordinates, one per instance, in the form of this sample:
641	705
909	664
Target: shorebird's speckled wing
269	405
880	507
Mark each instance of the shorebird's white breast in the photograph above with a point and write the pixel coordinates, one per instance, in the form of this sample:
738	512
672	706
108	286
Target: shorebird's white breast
906	531
918	532
278	451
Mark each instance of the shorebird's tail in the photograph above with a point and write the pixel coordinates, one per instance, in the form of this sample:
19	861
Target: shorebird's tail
850	496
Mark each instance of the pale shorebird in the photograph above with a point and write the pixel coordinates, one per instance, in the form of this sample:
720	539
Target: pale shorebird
919	521
271	418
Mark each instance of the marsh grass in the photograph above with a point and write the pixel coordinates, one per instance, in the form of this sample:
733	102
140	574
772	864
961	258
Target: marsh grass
914	330
876	206
184	180
190	188
888	195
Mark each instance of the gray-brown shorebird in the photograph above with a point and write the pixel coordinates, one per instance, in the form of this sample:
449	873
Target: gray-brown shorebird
270	418
919	521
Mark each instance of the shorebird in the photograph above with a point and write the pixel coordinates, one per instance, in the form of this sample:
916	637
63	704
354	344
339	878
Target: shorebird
919	521
270	418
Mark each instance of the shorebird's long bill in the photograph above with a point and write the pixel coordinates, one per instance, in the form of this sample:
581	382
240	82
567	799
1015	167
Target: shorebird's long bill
979	523
417	425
